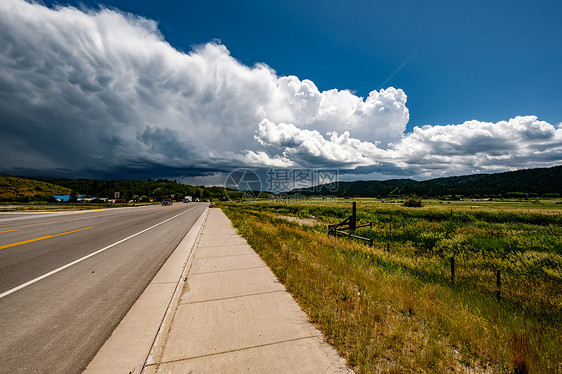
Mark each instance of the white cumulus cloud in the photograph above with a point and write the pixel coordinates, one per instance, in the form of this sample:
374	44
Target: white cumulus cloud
100	92
309	147
521	142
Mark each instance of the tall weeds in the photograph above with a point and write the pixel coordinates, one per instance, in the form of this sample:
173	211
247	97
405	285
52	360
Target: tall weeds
396	311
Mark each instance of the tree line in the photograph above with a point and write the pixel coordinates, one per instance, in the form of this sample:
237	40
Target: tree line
540	182
139	190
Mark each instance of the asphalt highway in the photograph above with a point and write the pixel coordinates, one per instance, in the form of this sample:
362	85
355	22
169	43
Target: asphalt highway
67	279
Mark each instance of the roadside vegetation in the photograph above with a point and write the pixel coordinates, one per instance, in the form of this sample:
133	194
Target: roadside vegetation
7	207
91	192
393	307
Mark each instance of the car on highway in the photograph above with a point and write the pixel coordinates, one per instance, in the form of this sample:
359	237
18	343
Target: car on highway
166	202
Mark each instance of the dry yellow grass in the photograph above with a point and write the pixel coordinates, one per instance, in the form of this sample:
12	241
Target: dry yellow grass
385	318
12	187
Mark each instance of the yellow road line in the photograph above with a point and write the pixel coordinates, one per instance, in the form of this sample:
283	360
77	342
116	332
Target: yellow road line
2	232
27	212
42	238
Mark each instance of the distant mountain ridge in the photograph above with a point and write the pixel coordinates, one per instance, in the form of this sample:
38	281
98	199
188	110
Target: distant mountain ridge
540	181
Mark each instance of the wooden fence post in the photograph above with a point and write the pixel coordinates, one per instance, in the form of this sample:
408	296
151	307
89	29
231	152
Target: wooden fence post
452	269
353	221
498	283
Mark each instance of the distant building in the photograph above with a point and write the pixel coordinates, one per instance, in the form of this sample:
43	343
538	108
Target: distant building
65	198
87	199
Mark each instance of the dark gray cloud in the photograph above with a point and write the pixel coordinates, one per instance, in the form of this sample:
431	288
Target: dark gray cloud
102	94
91	90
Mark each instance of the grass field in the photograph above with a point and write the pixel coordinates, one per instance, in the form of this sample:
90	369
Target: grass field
14	188
393	307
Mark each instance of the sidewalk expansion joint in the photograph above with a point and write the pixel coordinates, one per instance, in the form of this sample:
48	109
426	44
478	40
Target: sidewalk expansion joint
225	244
237	350
233	297
235	255
228	271
218	233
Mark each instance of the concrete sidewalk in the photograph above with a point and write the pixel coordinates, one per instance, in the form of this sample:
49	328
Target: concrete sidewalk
234	316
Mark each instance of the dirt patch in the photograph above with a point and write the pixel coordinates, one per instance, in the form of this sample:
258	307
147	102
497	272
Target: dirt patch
302	221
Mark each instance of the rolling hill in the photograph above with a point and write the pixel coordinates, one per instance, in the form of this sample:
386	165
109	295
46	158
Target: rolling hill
541	181
16	188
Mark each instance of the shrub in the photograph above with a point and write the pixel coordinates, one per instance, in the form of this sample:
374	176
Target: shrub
413	201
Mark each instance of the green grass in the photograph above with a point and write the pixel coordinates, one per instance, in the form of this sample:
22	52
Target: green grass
392	307
14	188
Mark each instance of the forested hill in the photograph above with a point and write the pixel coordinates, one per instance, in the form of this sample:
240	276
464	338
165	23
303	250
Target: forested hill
358	188
543	181
531	181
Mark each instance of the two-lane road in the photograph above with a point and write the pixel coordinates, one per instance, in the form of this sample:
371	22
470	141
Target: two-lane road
67	279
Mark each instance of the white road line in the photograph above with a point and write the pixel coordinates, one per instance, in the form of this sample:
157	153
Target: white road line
4	294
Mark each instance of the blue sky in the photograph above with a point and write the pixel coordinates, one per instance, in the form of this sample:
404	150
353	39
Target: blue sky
376	90
464	60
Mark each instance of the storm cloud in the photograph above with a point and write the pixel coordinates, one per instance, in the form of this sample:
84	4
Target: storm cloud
100	92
